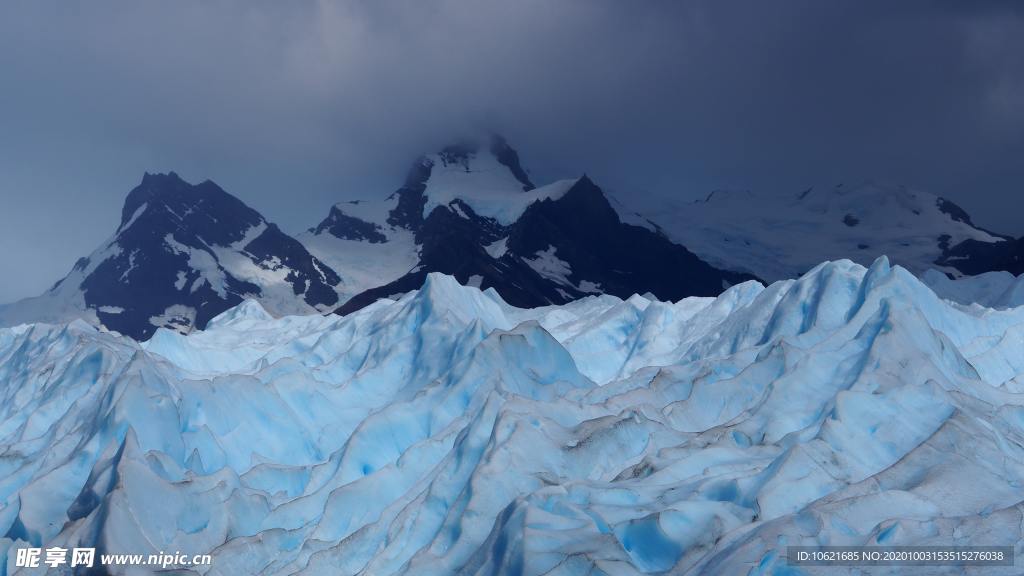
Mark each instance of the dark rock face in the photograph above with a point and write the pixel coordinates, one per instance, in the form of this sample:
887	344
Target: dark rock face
587	234
955	212
165	265
207	211
510	158
579	231
408	213
975	257
343	226
455	245
310	279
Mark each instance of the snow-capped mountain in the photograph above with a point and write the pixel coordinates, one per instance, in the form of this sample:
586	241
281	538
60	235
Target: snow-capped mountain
782	237
447	432
471	211
182	254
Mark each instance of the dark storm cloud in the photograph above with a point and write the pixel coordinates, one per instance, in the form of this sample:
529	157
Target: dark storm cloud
293	106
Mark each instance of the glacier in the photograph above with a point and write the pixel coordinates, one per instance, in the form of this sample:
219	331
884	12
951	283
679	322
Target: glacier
446	432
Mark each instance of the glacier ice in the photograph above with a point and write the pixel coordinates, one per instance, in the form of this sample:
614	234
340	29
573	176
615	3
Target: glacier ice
446	432
991	289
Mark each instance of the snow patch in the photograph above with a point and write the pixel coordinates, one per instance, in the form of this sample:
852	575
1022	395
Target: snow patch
176	317
497	248
203	262
486	185
365	265
547	263
134	217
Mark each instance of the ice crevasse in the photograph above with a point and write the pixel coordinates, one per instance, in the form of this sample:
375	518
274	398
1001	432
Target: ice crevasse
447	432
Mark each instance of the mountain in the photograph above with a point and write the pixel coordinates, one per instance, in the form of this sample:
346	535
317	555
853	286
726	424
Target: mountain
182	254
978	257
775	237
472	212
447	432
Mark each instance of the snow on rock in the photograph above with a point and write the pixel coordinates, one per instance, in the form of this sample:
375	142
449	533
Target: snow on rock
502	199
356	237
498	248
484	173
471	211
776	237
447	432
547	264
182	254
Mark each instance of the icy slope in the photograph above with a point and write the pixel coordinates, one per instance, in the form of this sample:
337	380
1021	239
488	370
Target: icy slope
356	237
448	433
782	237
991	289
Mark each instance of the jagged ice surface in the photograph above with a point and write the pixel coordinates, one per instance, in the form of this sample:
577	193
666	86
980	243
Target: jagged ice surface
449	433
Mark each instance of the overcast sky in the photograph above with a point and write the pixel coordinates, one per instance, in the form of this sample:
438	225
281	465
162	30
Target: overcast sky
292	106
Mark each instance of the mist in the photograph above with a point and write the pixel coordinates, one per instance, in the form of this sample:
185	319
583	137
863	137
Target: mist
295	106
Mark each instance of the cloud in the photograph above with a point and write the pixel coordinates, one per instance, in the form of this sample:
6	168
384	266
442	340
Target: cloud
295	105
995	46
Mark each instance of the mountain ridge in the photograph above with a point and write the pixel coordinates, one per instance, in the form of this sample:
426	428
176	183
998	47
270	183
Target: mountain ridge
782	236
182	254
470	211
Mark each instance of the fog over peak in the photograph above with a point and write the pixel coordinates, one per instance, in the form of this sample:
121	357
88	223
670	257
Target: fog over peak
295	106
